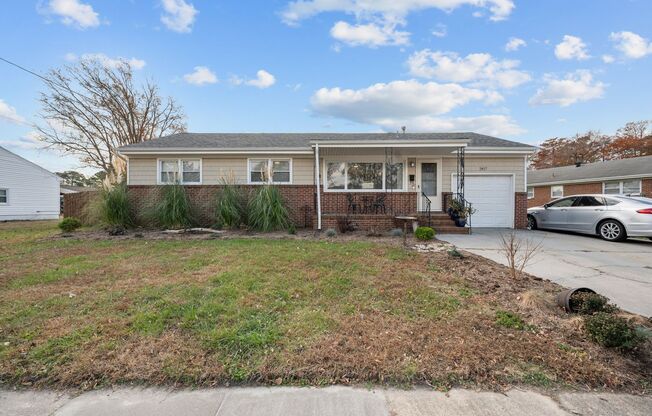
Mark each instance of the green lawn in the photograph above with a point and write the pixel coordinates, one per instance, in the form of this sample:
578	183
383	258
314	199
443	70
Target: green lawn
87	312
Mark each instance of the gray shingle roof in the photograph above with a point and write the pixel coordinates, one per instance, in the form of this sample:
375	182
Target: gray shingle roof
303	140
610	169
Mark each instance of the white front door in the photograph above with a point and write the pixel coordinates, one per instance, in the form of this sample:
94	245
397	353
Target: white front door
429	184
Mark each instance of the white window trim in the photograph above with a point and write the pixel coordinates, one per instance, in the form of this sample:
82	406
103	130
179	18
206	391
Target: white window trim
528	192
347	160
621	186
6	196
552	191
270	177
180	167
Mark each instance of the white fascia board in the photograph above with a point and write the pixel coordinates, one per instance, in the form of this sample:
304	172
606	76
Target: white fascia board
502	150
402	143
592	180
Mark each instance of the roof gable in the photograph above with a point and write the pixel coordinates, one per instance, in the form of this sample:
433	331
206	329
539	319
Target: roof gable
28	162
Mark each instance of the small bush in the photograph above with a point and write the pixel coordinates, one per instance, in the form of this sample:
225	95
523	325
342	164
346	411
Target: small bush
174	210
344	225
424	233
70	224
114	207
509	319
612	331
396	232
231	203
453	252
292	229
330	232
267	210
587	303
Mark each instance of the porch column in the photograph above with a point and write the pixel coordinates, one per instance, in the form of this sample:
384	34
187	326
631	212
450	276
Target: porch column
317	186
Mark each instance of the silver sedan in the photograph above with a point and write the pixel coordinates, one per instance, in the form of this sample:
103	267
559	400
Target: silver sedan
612	217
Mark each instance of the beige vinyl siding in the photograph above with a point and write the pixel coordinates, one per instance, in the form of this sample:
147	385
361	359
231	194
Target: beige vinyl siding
143	171
486	165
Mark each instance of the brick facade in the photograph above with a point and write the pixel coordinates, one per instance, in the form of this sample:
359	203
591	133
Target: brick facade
520	210
542	193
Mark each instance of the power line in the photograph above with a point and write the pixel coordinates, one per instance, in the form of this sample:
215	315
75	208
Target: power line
24	69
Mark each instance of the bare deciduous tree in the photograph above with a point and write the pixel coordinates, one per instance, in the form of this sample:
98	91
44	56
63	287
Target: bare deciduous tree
90	109
519	253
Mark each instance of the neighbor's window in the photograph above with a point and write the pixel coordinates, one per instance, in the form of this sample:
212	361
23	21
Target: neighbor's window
270	171
557	191
530	192
184	171
632	186
3	196
364	176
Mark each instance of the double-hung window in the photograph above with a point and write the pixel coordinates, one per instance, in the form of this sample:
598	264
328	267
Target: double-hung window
628	187
182	171
362	176
557	191
530	192
277	171
4	196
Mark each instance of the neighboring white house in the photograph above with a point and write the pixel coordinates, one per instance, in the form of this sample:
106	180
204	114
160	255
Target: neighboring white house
27	191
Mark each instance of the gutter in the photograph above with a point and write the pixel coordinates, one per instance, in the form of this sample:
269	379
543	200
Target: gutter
591	180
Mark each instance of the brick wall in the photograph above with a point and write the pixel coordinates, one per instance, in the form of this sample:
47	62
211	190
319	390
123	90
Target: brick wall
520	210
646	187
298	198
75	205
396	203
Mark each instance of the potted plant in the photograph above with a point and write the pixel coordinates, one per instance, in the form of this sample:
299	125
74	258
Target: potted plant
460	213
454	209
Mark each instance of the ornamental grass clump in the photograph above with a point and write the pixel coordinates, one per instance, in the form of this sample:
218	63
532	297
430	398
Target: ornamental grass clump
267	210
114	207
174	209
231	202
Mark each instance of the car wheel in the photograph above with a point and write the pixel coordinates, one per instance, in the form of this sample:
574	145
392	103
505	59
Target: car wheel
531	222
612	230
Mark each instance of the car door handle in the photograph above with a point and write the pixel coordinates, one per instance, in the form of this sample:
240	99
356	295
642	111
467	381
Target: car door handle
563	210
598	209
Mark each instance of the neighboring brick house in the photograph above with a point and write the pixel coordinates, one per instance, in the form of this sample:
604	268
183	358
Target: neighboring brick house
322	176
625	177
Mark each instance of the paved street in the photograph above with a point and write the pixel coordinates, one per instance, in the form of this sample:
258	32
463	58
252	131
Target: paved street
335	401
620	271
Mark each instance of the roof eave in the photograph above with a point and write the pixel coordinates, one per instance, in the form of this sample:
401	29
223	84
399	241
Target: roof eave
591	180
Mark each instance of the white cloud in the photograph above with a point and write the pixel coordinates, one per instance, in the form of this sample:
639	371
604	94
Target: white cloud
574	87
29	141
631	45
571	47
107	61
377	21
201	76
514	44
369	34
390	10
440	30
179	16
263	80
74	13
8	113
608	59
479	68
411	103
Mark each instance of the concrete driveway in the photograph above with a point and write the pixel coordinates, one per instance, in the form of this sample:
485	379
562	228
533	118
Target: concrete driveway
620	271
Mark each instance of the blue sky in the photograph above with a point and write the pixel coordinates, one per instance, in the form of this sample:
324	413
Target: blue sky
347	65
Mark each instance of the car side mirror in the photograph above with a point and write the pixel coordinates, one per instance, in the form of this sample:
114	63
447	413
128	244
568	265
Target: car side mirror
545	206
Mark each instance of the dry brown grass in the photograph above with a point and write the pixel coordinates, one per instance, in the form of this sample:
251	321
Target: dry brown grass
88	311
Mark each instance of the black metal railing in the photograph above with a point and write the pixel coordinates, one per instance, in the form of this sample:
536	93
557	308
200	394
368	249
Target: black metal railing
428	207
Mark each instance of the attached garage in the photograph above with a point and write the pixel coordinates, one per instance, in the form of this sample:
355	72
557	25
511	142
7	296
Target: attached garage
493	198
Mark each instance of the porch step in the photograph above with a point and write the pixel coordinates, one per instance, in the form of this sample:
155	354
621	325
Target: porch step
442	223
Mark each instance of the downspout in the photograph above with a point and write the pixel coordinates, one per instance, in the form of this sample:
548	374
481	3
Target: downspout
317	184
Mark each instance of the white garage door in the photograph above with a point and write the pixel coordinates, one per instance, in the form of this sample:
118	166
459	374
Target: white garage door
493	198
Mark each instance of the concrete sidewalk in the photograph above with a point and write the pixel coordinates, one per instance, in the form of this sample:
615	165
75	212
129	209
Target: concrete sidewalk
335	401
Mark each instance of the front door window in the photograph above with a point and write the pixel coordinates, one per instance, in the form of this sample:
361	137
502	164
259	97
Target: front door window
429	179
